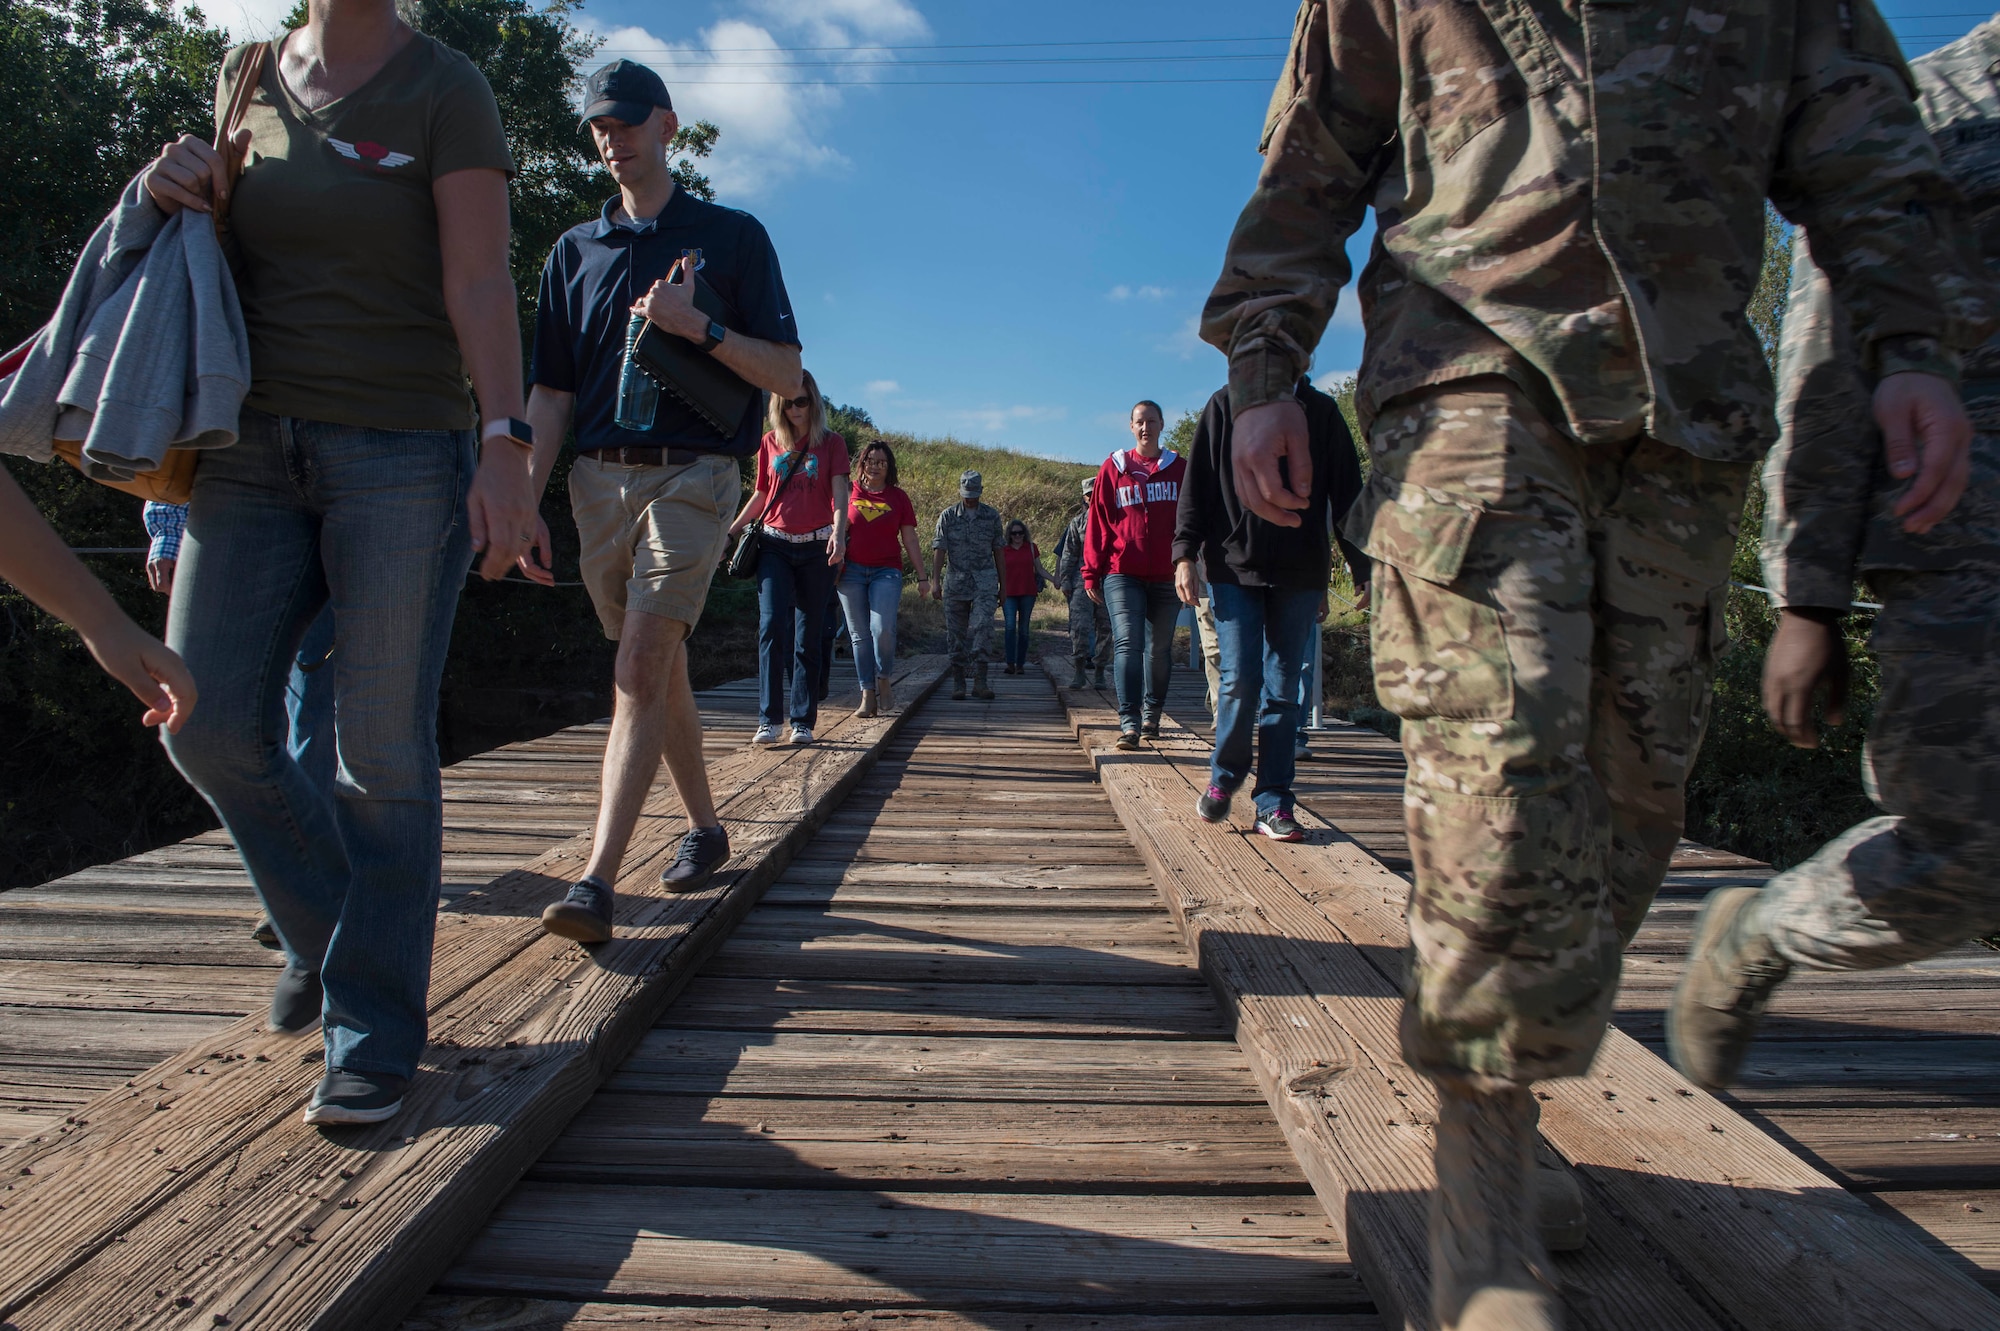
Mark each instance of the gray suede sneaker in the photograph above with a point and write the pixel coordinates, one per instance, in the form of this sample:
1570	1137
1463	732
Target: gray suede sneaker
702	851
585	914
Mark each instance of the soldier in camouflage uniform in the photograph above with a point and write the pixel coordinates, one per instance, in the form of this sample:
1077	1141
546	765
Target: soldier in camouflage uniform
1920	878
969	539
1564	401
1086	617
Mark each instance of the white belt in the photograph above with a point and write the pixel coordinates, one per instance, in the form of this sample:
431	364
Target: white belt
822	534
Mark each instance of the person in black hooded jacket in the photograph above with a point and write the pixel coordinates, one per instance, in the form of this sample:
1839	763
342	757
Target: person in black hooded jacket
1267	586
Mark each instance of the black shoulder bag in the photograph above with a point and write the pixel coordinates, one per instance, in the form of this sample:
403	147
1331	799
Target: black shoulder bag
743	559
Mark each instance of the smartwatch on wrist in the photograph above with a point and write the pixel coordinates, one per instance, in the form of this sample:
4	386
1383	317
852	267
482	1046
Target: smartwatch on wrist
716	332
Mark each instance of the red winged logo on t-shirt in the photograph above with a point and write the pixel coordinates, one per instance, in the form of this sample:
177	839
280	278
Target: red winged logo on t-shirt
369	151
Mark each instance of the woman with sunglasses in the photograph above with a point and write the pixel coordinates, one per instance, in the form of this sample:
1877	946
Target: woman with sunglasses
801	501
882	529
1022	559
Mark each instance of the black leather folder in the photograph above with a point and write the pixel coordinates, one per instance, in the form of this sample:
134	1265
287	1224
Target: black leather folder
711	389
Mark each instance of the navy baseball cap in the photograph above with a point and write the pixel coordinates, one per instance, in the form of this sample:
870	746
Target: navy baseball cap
624	89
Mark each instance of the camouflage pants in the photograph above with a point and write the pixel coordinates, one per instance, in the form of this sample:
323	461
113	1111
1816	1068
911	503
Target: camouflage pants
1546	621
1085	618
968	623
1921	878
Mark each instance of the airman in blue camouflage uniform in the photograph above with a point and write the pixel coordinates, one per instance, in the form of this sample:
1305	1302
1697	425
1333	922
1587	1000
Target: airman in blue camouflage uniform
1563	402
1925	875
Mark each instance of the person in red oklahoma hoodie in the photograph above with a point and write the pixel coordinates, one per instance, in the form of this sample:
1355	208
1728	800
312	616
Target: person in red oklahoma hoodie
1128	567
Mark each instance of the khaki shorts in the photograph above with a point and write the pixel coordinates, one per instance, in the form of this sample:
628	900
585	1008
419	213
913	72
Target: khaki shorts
652	536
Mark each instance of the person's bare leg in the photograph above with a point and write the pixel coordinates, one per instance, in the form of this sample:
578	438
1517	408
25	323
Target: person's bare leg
681	745
646	722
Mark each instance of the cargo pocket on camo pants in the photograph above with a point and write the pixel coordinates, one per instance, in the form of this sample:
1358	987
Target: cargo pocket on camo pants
1438	652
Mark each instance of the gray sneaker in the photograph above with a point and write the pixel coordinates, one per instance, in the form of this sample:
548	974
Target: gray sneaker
266	935
702	851
356	1097
585	914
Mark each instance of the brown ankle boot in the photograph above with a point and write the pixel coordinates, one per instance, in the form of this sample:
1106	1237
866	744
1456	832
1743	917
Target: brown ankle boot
868	703
1489	1271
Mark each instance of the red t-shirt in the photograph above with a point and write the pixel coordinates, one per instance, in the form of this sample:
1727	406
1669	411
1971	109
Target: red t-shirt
1020	565
807	503
875	522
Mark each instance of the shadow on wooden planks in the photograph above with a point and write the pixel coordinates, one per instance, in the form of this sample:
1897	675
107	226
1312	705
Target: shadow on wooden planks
193	1196
1697	1219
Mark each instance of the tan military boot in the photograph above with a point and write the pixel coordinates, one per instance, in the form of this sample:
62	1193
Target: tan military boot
980	688
1488	1268
868	703
957	684
1732	969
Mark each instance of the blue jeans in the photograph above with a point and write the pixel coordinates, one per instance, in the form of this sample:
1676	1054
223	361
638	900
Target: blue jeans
794	585
1264	633
298	516
871	596
1142	615
309	703
1015	613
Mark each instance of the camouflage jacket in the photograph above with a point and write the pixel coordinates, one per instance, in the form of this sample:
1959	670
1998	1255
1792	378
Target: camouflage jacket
1069	554
968	541
1828	496
1593	238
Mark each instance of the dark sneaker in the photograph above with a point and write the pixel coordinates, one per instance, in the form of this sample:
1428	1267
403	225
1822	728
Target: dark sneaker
296	1002
701	853
1128	740
356	1097
1150	727
585	914
1303	753
1278	825
265	935
1214	806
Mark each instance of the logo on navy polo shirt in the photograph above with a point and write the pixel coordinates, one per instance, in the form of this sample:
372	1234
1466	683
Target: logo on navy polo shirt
371	152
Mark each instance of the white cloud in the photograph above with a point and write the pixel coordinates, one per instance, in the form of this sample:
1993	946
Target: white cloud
1185	342
997	420
775	113
248	20
1121	292
883	388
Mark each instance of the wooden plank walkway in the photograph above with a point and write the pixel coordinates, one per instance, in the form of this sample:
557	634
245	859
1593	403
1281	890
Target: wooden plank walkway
1886	1082
955	1071
105	972
192	1195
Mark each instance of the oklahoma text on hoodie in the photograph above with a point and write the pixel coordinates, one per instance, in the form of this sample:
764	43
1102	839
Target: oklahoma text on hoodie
1132	511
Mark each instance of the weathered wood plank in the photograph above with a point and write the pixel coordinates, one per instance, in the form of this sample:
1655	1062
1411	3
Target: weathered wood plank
1178	1008
984	1145
916	1249
476	1313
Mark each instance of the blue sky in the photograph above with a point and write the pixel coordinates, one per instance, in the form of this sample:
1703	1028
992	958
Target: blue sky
974	254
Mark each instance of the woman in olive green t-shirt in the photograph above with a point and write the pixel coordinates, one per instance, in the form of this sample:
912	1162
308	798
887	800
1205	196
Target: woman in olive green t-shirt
368	234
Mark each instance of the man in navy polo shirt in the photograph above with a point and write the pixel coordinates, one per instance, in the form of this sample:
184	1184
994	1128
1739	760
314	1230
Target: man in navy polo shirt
654	486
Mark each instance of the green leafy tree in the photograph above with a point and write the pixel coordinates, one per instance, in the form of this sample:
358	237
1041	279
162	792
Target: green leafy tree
692	142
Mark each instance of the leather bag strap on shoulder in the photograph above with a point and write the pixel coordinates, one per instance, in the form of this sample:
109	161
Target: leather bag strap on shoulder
229	118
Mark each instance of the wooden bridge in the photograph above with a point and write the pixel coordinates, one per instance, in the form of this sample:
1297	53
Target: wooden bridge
981	1028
